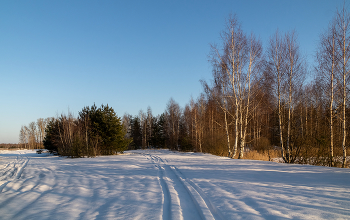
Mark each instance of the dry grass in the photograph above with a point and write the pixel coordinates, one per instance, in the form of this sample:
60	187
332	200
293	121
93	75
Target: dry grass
265	155
13	149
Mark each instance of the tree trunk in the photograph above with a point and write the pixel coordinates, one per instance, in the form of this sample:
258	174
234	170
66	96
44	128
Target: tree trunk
228	136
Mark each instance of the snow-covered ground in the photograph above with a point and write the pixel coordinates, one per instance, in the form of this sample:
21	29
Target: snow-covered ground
160	184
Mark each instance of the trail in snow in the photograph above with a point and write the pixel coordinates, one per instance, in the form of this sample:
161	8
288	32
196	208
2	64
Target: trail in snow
12	170
183	201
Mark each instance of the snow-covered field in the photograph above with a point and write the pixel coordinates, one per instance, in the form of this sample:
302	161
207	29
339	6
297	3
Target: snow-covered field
160	184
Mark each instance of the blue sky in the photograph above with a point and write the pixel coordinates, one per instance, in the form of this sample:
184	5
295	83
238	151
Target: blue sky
60	55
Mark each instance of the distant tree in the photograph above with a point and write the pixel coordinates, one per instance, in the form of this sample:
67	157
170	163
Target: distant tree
172	122
41	125
32	129
149	125
199	110
143	125
136	133
23	137
158	132
126	122
51	141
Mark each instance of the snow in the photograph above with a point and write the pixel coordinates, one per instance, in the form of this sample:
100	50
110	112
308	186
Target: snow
160	184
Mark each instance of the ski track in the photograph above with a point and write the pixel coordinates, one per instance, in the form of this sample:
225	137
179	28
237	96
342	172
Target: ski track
12	171
181	198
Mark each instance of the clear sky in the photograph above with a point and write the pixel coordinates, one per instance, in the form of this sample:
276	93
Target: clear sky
67	54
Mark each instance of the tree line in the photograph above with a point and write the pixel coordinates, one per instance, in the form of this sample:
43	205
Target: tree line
260	100
32	136
257	100
96	131
10	146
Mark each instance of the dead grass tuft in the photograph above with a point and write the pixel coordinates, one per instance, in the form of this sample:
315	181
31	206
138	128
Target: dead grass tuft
264	156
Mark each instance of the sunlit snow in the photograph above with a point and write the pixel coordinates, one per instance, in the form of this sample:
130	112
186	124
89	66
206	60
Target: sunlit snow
160	184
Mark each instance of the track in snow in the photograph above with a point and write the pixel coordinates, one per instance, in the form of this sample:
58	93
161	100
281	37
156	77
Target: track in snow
181	199
12	170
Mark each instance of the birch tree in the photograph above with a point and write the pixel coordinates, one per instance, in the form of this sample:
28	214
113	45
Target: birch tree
23	136
240	59
295	70
41	125
342	29
172	118
149	125
275	56
327	67
198	110
32	139
288	68
143	126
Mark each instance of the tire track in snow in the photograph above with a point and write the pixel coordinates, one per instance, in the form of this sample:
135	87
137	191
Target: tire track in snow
187	200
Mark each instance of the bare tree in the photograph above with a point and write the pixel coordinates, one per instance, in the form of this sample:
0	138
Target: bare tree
143	125
295	71
198	112
326	69
41	125
149	125
342	29
23	137
126	121
275	56
173	115
32	129
240	61
288	69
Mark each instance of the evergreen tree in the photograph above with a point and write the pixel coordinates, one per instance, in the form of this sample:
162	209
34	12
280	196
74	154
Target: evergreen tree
136	133
158	135
110	129
96	131
49	141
